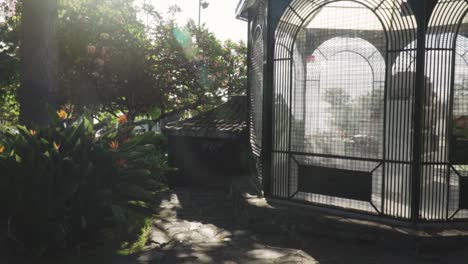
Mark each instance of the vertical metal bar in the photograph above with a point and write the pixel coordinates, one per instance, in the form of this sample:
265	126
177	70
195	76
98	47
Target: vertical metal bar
249	95
389	145
384	148
418	93
408	120
267	137
249	76
428	172
449	139
439	110
291	55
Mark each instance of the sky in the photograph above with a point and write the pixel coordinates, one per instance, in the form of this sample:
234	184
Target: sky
219	17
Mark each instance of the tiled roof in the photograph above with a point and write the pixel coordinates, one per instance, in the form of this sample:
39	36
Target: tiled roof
228	120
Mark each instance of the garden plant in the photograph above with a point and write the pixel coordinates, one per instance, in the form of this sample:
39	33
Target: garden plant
63	184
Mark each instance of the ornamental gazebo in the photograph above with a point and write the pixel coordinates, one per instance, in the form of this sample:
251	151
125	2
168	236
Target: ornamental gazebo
361	105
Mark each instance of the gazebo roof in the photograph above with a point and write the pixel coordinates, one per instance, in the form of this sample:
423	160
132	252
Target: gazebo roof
228	120
242	8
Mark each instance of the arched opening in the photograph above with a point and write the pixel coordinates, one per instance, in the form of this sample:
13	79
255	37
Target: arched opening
458	144
457	201
344	91
343	110
443	183
330	125
434	120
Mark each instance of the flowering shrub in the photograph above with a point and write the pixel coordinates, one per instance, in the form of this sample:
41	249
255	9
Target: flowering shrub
61	184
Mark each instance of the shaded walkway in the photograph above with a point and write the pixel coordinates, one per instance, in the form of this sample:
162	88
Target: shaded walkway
198	226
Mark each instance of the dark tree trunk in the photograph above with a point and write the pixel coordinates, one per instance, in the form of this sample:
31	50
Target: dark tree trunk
38	51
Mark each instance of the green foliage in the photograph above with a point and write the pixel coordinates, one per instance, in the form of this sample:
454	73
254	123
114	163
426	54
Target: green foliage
68	181
348	111
102	49
236	70
340	107
50	183
111	61
9	63
194	68
139	232
7	9
60	184
9	107
114	62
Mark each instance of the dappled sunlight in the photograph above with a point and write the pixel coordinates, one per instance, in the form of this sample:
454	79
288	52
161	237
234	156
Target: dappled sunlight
265	254
123	69
199	226
149	131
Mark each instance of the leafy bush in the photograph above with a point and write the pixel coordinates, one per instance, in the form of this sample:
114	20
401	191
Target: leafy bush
64	183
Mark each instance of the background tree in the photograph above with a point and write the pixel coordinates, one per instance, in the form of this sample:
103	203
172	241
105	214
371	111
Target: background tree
118	57
194	69
9	62
236	70
158	70
38	54
340	108
103	51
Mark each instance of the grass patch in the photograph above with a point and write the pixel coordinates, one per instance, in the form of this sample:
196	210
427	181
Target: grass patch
128	236
140	227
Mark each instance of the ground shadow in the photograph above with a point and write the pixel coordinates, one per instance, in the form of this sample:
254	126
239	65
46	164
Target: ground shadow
186	216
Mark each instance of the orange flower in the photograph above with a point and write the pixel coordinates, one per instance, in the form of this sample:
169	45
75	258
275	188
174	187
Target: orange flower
123	119
121	163
2	149
114	145
62	114
32	132
56	146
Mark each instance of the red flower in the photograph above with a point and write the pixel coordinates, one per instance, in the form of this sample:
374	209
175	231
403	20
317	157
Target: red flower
121	163
122	119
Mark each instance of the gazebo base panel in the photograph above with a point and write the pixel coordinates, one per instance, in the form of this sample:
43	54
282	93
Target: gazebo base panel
270	215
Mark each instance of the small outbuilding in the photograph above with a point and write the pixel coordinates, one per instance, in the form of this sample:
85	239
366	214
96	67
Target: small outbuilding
210	148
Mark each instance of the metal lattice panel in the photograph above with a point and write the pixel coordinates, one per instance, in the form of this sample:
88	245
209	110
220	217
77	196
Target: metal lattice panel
256	71
443	178
369	105
331	99
257	64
